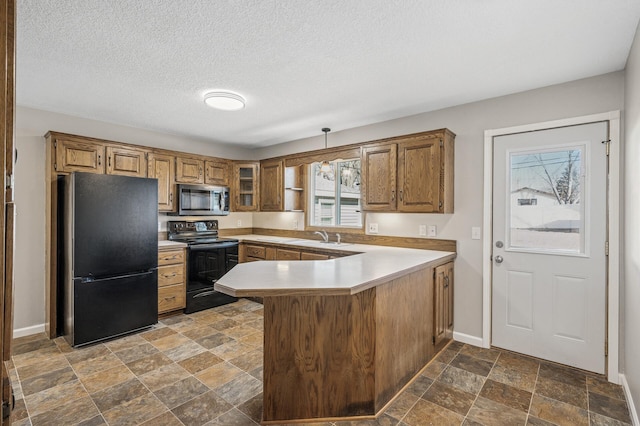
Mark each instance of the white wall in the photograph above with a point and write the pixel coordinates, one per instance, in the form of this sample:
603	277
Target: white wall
631	313
589	96
31	126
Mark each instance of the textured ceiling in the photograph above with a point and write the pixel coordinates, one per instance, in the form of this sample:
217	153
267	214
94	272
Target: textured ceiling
303	65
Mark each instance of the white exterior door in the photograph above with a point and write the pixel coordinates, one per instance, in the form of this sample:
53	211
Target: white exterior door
549	235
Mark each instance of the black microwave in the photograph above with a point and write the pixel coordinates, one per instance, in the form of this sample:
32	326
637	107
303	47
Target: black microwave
203	200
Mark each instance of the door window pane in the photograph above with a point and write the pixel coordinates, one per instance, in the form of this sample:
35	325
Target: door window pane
546	208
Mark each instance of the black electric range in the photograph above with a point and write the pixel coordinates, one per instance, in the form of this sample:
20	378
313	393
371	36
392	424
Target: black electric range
208	259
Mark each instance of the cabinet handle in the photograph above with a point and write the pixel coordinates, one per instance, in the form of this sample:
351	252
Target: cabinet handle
99	160
171	197
393	195
446	281
109	161
170	276
400	195
169	298
200	171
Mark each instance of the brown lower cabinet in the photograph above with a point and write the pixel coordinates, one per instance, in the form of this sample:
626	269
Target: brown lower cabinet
251	252
171	280
443	305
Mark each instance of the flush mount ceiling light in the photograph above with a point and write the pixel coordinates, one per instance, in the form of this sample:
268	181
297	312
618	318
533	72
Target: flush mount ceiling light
325	166
226	101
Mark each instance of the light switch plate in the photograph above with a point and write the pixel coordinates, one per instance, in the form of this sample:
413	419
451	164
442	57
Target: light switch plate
239	223
431	231
475	233
295	224
373	228
422	230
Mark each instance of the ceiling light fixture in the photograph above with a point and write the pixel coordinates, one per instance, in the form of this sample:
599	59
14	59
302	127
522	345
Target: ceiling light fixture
226	101
325	166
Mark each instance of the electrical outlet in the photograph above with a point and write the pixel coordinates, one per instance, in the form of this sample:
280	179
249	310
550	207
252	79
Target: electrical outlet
475	233
295	224
422	230
159	226
239	223
431	231
373	228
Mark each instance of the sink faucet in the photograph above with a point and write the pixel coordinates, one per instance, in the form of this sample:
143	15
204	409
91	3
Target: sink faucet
324	235
338	238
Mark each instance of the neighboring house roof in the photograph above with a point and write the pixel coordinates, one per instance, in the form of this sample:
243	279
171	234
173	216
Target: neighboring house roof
535	191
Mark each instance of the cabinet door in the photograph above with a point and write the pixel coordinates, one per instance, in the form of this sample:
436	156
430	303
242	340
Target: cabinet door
161	168
419	178
379	177
216	173
126	162
245	187
79	156
271	186
189	170
443	304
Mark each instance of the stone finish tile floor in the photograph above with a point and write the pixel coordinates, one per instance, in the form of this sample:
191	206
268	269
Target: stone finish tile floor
206	369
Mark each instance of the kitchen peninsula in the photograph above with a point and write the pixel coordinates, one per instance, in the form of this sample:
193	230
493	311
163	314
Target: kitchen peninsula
342	336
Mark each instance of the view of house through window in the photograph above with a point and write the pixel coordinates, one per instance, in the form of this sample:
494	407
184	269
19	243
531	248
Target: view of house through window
547	209
335	195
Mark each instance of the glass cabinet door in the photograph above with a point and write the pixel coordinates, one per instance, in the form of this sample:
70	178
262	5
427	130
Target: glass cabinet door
246	187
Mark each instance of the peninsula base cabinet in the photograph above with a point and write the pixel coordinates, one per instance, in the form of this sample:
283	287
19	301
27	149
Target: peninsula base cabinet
345	356
172	292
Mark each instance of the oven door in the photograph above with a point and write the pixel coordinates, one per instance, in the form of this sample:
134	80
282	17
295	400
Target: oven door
206	264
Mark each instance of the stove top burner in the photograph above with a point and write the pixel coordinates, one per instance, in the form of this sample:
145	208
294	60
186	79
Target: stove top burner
196	232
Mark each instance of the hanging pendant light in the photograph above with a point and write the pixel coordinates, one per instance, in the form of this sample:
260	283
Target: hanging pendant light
325	166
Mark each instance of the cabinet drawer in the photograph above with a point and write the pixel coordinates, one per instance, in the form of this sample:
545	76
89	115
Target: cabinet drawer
170	257
255	251
169	275
171	298
288	255
313	256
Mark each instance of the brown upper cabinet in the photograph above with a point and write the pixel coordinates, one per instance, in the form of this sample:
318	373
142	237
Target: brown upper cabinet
271	185
412	173
216	173
189	170
77	155
245	187
162	167
378	185
126	161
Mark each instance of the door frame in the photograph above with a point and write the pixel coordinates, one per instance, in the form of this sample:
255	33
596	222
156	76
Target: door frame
613	234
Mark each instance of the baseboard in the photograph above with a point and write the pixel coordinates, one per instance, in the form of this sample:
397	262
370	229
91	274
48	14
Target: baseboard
467	338
632	406
28	331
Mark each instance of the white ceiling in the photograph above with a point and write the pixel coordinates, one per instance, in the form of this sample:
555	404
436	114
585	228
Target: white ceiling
303	65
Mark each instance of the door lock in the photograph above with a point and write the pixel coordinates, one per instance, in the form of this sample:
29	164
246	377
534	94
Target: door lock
499	259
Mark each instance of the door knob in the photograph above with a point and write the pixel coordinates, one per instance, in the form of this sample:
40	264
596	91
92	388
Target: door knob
499	259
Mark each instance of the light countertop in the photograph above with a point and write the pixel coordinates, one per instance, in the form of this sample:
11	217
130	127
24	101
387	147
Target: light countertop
370	266
170	244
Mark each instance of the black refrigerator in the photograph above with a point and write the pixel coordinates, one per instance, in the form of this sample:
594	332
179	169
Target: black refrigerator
110	256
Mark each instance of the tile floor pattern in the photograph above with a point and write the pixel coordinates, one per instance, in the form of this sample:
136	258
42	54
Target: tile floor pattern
206	369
